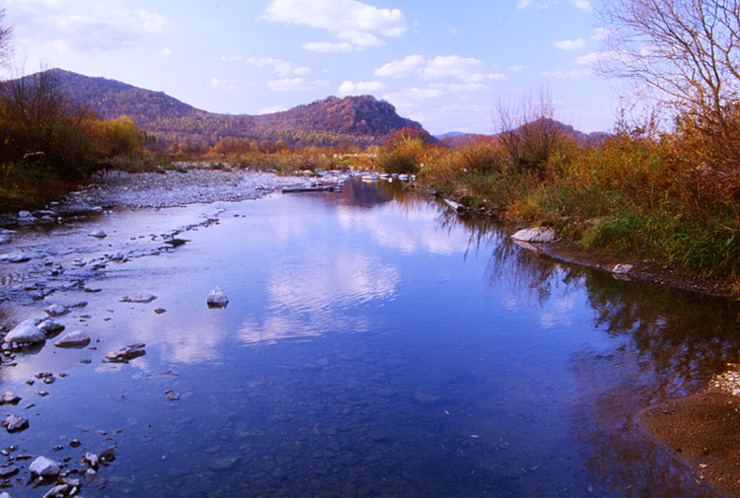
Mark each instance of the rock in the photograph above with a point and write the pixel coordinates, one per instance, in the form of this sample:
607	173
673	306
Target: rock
14	257
93	479
24	214
75	443
99	234
25	333
56	310
51	328
59	491
124	355
107	456
4	238
8	398
76	339
4	494
138	298
537	234
172	395
159	311
8	471
217	298
44	467
621	269
91	459
14	423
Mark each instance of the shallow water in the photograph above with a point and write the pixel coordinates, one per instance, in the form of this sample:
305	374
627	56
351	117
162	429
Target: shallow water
374	345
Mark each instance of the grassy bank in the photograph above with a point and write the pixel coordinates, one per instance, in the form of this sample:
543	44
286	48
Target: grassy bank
671	199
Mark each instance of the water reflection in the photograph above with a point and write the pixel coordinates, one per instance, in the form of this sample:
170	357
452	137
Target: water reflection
395	349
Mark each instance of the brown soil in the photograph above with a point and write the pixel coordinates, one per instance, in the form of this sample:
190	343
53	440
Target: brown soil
703	431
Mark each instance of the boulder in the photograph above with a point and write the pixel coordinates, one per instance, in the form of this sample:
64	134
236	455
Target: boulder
217	298
76	339
25	333
44	467
536	235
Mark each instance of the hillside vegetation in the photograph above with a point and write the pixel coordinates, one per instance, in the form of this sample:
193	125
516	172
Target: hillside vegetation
333	122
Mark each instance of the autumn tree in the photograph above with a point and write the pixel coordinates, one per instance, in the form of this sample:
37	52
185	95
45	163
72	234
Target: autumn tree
682	54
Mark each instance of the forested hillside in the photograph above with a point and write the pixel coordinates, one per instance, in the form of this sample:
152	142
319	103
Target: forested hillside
350	121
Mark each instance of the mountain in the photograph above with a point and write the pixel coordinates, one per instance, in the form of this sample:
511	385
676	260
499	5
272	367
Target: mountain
457	139
359	121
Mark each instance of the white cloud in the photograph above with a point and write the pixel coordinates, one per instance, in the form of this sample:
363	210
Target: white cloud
517	69
453	66
165	52
279	66
328	47
576	44
272	110
361	88
440	67
295	85
460	87
63	27
584	5
401	69
227	84
593	58
573	74
355	22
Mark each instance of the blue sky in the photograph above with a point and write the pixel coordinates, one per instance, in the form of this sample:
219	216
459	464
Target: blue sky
445	64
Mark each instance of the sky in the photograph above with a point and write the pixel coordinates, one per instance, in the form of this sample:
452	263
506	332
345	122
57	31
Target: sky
448	65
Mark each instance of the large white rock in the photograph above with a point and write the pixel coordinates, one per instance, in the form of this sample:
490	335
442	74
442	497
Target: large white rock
76	339
14	257
44	467
217	298
537	234
26	333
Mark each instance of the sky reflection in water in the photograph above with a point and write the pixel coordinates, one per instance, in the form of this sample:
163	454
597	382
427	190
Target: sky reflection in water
374	345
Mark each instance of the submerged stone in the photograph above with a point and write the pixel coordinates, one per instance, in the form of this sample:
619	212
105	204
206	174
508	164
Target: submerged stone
138	298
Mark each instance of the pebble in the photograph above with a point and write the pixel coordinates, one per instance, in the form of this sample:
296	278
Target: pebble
44	467
14	423
76	339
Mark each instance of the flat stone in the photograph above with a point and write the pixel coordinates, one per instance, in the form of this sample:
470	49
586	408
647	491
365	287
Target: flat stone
138	298
537	235
99	234
76	339
14	257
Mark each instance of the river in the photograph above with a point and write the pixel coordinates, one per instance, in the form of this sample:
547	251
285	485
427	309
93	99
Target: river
374	345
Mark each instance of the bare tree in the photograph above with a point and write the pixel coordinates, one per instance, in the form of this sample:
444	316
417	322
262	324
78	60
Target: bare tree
5	48
527	131
685	54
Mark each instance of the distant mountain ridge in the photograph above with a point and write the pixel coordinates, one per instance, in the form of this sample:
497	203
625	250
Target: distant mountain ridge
458	139
359	121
